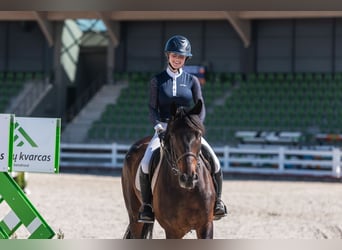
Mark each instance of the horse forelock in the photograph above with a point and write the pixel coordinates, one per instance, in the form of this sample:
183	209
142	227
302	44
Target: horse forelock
193	121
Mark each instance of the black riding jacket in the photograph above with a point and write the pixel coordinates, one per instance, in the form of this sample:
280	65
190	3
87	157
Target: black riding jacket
166	87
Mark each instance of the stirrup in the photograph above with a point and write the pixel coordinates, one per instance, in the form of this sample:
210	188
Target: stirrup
220	210
146	215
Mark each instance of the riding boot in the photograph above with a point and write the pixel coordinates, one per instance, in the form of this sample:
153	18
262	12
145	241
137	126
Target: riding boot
146	214
220	209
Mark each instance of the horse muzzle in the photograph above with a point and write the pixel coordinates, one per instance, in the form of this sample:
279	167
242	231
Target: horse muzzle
188	181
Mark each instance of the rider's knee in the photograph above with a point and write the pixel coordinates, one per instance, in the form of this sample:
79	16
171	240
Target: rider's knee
217	165
144	167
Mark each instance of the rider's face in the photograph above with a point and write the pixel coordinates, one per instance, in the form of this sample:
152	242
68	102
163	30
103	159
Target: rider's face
177	61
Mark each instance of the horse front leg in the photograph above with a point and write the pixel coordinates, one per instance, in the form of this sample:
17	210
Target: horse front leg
134	231
206	232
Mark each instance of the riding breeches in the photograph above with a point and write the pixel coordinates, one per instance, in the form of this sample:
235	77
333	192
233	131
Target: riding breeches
155	144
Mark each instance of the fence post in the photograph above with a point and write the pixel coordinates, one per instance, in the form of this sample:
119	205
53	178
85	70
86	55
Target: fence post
114	154
281	158
336	162
226	157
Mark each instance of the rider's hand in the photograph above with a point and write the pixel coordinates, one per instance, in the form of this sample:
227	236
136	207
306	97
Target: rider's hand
161	134
160	131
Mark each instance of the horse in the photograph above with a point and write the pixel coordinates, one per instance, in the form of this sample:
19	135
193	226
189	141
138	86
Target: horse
183	193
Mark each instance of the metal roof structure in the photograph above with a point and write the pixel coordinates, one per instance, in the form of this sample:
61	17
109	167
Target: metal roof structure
240	20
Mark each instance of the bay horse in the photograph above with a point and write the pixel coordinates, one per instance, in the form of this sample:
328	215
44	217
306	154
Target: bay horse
183	193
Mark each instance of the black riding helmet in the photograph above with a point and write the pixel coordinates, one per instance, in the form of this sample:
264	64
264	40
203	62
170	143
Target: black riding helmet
178	44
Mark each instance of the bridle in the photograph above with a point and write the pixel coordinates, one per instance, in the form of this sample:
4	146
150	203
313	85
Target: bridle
173	160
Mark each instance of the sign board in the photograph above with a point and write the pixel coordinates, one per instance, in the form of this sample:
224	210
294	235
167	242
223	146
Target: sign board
196	70
36	144
6	142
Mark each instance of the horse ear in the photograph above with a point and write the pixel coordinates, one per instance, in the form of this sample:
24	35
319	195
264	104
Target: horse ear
173	109
197	108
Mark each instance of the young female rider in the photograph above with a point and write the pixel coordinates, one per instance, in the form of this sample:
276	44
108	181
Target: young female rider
173	85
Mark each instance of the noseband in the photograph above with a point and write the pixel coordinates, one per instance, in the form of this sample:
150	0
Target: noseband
185	155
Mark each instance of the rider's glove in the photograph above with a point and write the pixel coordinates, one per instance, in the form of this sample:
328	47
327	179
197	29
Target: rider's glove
161	134
160	131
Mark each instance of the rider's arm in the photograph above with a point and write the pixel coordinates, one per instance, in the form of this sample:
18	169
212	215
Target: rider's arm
153	102
197	95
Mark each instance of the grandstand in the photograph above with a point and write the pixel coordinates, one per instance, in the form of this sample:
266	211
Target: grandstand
21	91
271	78
309	103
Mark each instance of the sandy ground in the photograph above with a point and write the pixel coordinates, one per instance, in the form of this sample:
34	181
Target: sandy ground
91	206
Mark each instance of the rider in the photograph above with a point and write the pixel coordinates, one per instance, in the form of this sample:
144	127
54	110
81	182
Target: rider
173	85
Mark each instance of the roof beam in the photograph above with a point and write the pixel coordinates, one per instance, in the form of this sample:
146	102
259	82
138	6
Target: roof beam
112	27
44	25
288	14
166	15
242	27
16	15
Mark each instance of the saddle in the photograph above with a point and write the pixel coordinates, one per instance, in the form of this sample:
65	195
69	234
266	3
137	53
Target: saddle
207	159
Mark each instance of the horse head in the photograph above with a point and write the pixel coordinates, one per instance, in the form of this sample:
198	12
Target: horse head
183	141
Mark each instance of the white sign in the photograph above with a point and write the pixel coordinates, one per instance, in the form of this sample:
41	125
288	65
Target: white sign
6	142
36	144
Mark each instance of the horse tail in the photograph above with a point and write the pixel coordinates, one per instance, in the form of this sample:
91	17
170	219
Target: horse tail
147	231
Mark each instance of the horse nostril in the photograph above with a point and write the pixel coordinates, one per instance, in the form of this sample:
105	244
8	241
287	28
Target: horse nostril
195	177
183	177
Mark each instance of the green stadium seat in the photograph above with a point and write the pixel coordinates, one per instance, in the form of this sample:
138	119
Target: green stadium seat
280	77
308	77
10	76
299	77
261	76
38	76
270	76
318	77
328	77
289	77
19	76
238	77
251	77
338	76
28	76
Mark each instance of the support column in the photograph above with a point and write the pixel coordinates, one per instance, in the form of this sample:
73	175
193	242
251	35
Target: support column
110	62
60	103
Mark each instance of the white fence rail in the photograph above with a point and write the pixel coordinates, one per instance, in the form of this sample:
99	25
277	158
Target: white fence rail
278	160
